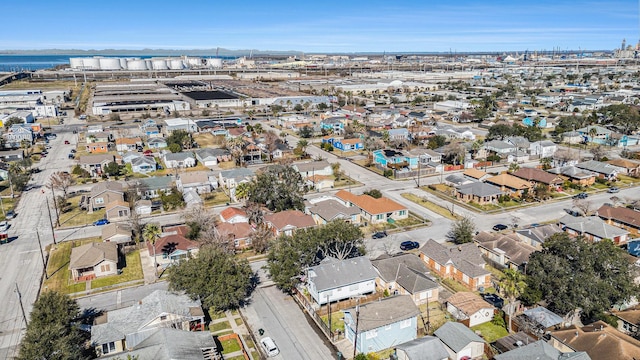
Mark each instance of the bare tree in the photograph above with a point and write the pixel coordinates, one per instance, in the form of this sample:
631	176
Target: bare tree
137	226
598	152
255	213
200	222
583	205
61	180
261	238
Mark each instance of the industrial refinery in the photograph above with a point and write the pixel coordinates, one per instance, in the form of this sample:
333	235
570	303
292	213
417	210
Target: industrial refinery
140	64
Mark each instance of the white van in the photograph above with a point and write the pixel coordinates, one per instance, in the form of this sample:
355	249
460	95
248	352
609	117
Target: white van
269	347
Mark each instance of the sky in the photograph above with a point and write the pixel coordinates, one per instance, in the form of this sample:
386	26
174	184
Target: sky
320	26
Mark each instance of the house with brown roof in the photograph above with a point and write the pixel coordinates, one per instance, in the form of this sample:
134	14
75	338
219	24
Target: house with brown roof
320	182
119	233
172	247
374	210
599	340
504	250
104	193
592	228
478	192
509	184
469	308
628	320
620	216
627	167
95	164
117	210
128	144
475	174
463	263
406	274
200	181
94	260
324	210
575	175
239	233
234	215
538	177
287	222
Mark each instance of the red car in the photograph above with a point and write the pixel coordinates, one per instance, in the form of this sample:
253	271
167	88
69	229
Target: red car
66	142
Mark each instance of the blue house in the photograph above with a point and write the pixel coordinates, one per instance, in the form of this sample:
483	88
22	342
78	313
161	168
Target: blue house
394	159
382	324
333	124
595	134
528	121
633	247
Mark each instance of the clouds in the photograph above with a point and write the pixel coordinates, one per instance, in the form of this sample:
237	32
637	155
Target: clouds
328	26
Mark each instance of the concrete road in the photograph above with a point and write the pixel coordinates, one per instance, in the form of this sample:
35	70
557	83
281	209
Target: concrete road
21	258
282	320
119	298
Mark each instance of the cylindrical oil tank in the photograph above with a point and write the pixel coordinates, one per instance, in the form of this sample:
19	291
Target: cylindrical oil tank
149	64
109	64
193	62
76	63
214	63
91	63
159	64
137	64
123	63
175	64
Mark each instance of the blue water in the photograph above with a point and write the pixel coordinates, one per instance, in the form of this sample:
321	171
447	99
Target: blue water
39	62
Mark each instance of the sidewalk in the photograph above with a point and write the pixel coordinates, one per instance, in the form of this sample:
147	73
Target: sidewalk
147	266
241	330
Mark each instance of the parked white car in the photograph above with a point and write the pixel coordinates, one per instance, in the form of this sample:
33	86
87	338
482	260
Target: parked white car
269	346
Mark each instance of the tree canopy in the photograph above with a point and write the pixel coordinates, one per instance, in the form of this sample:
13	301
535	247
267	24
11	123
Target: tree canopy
278	188
570	274
290	255
503	131
52	333
462	231
215	277
180	138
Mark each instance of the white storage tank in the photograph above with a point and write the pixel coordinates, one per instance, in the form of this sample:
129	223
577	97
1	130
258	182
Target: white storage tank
176	64
137	64
149	64
91	63
76	63
214	63
159	64
109	64
193	62
123	62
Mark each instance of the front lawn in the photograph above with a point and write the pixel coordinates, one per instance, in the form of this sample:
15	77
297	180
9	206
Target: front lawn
230	345
58	273
131	271
430	206
214	198
74	216
337	321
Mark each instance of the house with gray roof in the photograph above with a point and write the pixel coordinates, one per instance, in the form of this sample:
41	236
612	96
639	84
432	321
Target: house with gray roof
95	164
170	344
210	157
143	164
406	274
104	193
126	328
539	319
182	159
424	348
151	187
229	179
312	168
331	209
604	170
592	228
463	263
382	324
575	175
536	235
460	341
335	280
541	350
478	192
543	148
499	147
119	233
504	250
94	260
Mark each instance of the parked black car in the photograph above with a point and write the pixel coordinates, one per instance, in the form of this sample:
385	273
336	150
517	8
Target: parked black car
499	227
494	300
379	235
409	245
582	195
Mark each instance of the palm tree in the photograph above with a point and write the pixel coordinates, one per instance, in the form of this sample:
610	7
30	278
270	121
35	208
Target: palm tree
151	233
242	190
593	132
512	285
302	143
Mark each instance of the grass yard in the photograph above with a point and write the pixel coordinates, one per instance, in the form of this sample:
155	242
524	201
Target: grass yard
219	326
230	345
77	216
208	140
48	85
436	316
226	165
412	220
132	271
345	181
430	206
337	321
490	332
215	198
59	275
454	285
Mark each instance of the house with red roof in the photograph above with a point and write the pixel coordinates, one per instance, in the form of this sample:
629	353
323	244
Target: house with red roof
172	247
233	215
374	210
239	233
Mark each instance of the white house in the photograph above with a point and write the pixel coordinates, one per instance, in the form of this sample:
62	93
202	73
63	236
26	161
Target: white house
460	341
469	308
334	280
179	160
544	148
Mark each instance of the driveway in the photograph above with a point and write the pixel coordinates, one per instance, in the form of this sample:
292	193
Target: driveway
282	320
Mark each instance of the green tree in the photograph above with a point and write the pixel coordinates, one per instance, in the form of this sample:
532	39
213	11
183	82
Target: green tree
52	333
499	132
172	200
151	233
374	193
513	167
181	138
242	190
12	121
112	169
462	231
436	142
278	188
174	148
218	279
570	274
512	285
289	256
306	132
546	163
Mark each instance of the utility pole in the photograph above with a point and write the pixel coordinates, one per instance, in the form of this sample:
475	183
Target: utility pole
44	262
53	234
329	310
24	316
55	206
355	335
